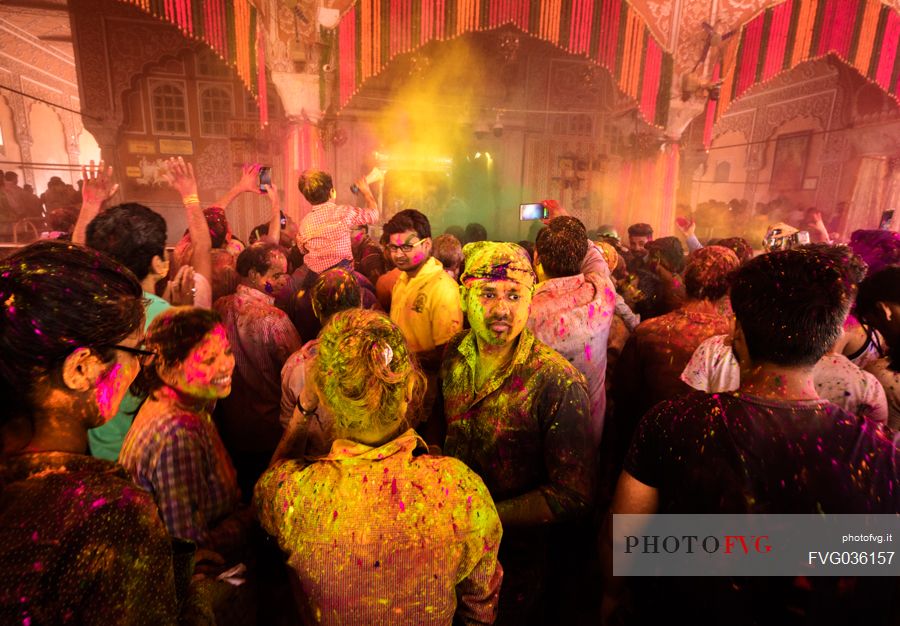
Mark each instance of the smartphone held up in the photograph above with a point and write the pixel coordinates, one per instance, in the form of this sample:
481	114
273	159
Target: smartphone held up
265	178
533	211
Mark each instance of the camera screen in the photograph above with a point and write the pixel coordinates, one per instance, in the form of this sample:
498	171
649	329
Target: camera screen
265	178
532	211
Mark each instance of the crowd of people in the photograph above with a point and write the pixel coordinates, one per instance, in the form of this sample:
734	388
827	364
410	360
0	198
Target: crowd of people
50	215
317	426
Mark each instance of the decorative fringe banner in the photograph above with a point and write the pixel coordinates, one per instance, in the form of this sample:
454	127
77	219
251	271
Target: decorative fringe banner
646	190
305	150
608	32
229	27
865	34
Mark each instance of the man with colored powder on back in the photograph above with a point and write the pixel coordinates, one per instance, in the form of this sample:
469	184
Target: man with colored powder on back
649	369
262	338
518	414
572	311
774	446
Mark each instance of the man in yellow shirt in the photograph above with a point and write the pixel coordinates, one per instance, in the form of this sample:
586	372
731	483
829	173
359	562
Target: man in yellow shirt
425	300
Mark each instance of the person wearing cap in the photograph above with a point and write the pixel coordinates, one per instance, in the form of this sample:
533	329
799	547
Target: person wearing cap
516	412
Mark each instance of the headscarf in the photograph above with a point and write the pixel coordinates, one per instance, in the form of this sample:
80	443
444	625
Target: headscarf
609	253
491	260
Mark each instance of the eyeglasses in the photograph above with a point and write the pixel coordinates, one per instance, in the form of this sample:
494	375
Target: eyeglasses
146	357
406	248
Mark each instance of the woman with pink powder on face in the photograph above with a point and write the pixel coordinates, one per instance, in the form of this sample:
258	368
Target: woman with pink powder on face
173	449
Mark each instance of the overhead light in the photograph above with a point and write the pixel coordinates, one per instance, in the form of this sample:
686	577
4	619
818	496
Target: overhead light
497	128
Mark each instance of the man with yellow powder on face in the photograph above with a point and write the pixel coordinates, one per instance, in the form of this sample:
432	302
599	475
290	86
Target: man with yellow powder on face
518	414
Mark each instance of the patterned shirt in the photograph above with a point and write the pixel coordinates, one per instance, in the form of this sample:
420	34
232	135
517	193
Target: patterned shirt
386	535
320	427
80	544
262	338
890	381
324	235
368	259
179	458
573	315
713	368
427	307
527	428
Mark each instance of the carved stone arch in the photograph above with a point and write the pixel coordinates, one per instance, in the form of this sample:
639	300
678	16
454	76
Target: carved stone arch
122	88
752	58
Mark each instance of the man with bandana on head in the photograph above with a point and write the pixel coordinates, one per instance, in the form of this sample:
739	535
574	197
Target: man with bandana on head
518	414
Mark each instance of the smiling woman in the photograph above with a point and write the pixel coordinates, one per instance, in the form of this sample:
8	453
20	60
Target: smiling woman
173	448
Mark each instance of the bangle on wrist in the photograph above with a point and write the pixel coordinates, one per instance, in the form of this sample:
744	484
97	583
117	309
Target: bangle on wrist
306	412
191	198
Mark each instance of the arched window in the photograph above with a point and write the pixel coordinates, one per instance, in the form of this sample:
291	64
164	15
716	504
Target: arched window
723	171
215	110
169	108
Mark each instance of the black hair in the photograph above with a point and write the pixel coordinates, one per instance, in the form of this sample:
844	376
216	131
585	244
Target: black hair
528	246
640	230
130	233
263	229
457	231
708	273
335	290
172	335
561	246
475	232
670	253
791	305
315	185
256	257
408	219
881	286
851	265
57	297
740	246
651	303
218	225
448	250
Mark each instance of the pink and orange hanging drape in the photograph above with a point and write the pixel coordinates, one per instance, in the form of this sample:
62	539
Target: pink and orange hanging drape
608	32
863	33
646	190
305	150
229	27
